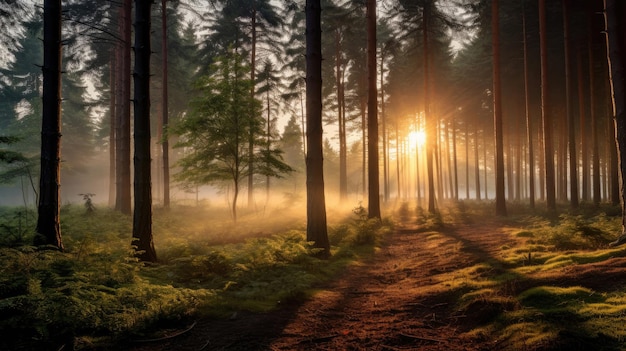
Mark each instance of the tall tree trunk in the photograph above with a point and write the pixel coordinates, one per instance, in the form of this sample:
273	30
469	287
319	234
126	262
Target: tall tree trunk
269	144
542	164
485	168
573	156
476	164
595	152
546	110
343	162
438	161
614	168
157	165
417	175
431	131
316	230
48	223
616	48
583	128
448	154
123	188
508	170
497	112
467	187
165	112
372	115
518	160
383	119
397	130
529	124
112	94
454	158
252	95
142	215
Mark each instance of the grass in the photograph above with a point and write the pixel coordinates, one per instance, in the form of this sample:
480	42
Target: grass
518	299
97	292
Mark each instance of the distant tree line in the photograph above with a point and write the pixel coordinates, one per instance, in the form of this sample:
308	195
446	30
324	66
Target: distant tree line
522	112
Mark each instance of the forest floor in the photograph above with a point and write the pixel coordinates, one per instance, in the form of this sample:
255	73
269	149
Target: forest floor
405	297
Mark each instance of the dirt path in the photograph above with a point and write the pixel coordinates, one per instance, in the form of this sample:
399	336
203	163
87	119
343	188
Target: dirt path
391	302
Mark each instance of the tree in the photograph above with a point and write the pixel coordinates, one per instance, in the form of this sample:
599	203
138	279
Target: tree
142	214
546	110
430	126
317	230
529	124
165	107
616	49
261	17
48	222
497	108
372	115
122	110
270	83
573	164
217	128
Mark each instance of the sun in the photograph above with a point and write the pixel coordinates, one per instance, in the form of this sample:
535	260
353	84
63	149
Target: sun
417	138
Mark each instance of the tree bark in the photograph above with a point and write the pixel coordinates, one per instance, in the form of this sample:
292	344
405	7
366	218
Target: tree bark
343	167
476	163
454	158
497	109
595	152
252	93
529	124
546	110
584	155
317	230
165	112
573	157
122	136
616	48
142	215
383	118
372	116
112	104
467	187
48	222
430	127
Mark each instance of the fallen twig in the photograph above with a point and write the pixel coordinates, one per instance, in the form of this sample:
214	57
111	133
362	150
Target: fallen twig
167	337
207	343
410	336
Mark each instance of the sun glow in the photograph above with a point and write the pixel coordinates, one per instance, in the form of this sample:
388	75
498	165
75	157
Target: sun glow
417	137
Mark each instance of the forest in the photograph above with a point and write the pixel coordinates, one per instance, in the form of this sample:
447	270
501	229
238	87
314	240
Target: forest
312	175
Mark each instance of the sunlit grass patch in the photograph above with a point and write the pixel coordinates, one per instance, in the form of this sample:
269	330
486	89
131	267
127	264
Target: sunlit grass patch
607	317
475	277
587	256
571	232
524	234
552	298
530	335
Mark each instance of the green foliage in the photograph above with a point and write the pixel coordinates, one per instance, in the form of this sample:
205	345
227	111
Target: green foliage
89	206
97	289
573	232
16	227
224	119
360	231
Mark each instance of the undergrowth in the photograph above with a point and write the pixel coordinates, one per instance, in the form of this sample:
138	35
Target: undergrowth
527	298
96	290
